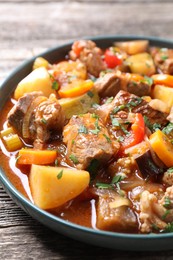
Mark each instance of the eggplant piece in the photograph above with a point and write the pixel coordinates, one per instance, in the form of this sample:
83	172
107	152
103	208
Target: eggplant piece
148	166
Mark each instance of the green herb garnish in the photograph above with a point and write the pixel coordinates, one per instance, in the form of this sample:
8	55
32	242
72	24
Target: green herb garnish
55	85
164	57
167	202
169	228
74	159
56	162
59	175
152	127
107	138
44	121
167	212
168	129
109	100
83	129
90	94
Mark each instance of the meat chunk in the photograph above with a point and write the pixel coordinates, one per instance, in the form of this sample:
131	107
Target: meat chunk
154	213
163	58
167	200
114	213
87	139
111	83
48	117
88	53
124	101
168	178
16	115
35	116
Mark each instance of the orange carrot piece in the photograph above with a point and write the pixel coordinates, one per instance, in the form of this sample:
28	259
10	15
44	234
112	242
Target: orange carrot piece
163	79
76	88
32	156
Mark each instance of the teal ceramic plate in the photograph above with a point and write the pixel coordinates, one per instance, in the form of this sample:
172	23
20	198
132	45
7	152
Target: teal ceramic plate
132	242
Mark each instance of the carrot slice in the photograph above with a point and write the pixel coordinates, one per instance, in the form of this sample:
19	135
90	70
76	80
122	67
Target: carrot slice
162	147
163	79
76	88
32	156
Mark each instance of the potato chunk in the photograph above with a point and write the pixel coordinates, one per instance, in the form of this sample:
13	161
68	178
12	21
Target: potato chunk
141	63
164	94
53	186
38	80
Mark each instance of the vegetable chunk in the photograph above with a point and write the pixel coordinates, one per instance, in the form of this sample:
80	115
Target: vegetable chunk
53	186
38	80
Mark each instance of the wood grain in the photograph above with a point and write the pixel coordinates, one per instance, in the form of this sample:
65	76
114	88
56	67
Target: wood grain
30	27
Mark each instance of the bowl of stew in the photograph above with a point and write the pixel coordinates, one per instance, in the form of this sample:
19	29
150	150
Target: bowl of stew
86	140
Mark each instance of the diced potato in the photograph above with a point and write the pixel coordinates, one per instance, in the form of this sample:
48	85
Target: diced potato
38	80
141	63
133	47
159	105
79	105
164	94
53	186
40	62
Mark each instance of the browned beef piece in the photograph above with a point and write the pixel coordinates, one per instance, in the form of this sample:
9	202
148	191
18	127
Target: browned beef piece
43	118
90	55
48	117
87	139
125	102
163	58
111	83
17	113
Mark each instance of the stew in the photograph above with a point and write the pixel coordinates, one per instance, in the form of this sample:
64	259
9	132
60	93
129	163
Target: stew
90	138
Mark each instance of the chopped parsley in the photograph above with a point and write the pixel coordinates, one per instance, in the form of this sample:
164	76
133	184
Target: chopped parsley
59	175
120	138
167	202
148	80
169	228
97	127
95	105
170	170
95	115
55	85
74	159
107	138
167	212
164	57
133	103
168	129
115	182
44	121
73	141
109	100
83	129
152	127
115	121
90	94
56	162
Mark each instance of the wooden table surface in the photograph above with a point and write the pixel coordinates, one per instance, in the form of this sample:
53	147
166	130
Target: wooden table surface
29	27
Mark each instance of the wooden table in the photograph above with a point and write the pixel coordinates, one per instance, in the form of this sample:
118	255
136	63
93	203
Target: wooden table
29	27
